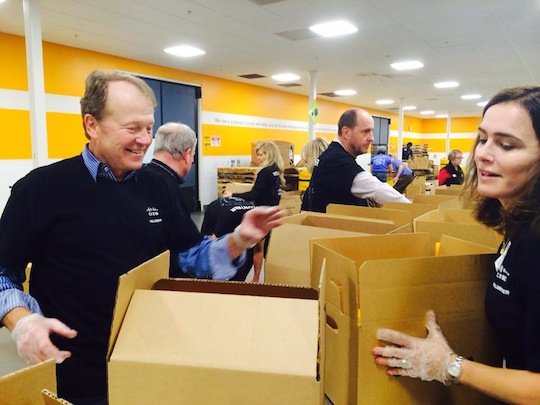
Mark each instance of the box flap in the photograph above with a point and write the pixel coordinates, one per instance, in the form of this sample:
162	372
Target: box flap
25	386
432	199
398	217
416	209
143	276
451	246
220	331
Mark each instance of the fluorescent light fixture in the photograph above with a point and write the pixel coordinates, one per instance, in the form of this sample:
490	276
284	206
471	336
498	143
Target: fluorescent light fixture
285	77
407	65
409	108
384	102
427	112
333	28
184	51
446	85
345	92
441	116
482	103
470	96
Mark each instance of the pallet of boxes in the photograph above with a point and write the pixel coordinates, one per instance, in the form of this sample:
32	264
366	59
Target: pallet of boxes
420	165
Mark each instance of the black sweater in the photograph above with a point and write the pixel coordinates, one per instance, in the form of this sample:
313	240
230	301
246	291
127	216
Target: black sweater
332	179
80	236
265	191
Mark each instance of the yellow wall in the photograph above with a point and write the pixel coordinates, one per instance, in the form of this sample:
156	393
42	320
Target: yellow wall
65	69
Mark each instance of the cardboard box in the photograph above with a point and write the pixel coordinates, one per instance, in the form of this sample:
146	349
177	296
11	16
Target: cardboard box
50	398
417	186
239	187
448	190
452	200
25	386
291	202
288	256
207	342
420	162
286	149
402	219
371	288
458	223
415	209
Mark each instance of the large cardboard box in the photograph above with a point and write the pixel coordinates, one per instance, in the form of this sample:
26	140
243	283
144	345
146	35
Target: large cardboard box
286	149
24	387
181	341
288	256
402	219
290	202
448	190
415	209
458	223
453	200
370	288
239	187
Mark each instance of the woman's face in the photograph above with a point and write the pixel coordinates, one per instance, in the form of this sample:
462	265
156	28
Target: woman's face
508	152
261	156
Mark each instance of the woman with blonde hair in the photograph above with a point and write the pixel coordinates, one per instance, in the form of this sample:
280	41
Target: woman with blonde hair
309	155
270	179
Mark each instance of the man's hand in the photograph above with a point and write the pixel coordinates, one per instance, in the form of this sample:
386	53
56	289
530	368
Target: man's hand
31	334
255	224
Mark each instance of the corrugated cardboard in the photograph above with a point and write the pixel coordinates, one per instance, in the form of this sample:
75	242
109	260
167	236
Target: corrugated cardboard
398	217
448	190
287	259
24	387
290	202
49	398
206	342
434	199
416	209
458	223
367	291
239	187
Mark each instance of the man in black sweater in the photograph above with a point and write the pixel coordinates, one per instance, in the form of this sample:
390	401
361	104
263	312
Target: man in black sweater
83	222
338	179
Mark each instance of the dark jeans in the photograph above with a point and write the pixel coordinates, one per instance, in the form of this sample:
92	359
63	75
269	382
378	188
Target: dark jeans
403	182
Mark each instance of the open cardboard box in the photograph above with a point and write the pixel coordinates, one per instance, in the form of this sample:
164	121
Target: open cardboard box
288	256
176	341
26	386
454	189
415	209
370	288
449	201
458	223
402	219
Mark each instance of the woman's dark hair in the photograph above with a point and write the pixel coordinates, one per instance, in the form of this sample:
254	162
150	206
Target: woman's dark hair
525	208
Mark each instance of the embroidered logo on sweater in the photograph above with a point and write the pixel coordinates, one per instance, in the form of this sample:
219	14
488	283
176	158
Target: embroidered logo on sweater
153	213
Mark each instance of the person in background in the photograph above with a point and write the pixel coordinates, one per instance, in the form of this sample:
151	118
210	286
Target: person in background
309	155
407	152
222	216
337	178
270	179
452	173
381	164
83	222
503	184
403	176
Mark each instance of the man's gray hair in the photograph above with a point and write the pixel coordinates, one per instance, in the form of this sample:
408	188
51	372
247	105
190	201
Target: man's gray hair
175	138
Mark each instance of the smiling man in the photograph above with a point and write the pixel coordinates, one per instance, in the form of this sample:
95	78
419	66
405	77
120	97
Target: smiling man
84	221
338	179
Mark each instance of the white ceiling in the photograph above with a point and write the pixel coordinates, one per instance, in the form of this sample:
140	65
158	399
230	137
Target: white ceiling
485	45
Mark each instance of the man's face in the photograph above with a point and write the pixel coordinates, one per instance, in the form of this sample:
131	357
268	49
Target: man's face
124	134
358	139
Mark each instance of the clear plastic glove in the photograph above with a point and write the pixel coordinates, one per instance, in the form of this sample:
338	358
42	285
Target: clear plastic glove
255	224
31	334
426	359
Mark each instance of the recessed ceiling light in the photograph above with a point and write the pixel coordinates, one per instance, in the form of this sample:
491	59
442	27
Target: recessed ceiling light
407	65
482	103
184	51
409	108
446	85
470	96
285	77
441	116
333	28
427	112
384	102
345	92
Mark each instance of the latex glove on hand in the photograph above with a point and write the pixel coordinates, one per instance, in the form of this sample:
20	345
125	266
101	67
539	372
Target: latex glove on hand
255	224
426	359
31	334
